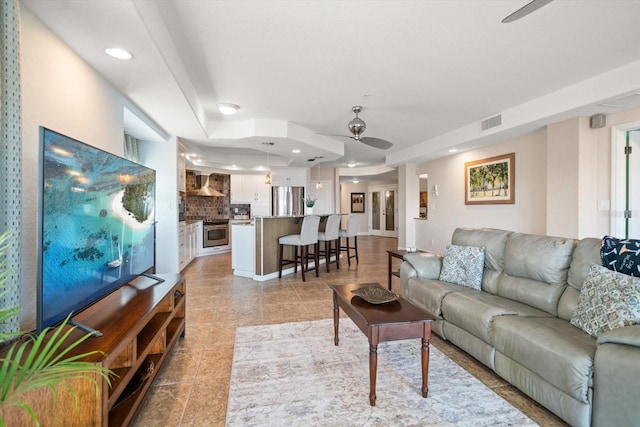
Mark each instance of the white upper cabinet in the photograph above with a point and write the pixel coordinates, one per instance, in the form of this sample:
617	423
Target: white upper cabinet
249	189
289	176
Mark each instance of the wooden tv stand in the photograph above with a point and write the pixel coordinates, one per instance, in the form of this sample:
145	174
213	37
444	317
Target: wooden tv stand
140	321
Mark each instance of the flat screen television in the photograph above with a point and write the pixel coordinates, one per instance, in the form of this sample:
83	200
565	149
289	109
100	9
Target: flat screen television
96	225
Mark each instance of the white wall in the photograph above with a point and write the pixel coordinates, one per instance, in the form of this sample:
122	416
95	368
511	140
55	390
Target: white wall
345	203
63	93
164	159
448	211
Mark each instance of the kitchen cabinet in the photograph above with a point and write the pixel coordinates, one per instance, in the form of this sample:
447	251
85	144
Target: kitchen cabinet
243	249
187	243
289	176
182	246
249	189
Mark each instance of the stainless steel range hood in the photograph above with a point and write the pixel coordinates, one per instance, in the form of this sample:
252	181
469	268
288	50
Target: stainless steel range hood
202	181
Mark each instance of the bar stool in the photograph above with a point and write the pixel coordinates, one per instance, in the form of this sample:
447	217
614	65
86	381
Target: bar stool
308	236
328	236
351	231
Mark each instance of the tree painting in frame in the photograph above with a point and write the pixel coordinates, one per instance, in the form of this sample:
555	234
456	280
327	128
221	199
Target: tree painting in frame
357	202
490	181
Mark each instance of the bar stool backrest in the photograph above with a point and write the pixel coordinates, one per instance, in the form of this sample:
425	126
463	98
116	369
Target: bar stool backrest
352	226
309	230
332	229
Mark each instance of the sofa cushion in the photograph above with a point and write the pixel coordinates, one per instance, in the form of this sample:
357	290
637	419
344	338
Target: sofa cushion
551	348
474	311
426	264
493	241
587	252
536	270
463	265
608	300
428	294
542	258
621	255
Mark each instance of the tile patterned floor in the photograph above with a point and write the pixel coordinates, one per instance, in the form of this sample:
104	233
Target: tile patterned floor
192	388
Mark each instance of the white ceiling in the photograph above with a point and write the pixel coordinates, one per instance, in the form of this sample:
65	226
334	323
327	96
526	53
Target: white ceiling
426	72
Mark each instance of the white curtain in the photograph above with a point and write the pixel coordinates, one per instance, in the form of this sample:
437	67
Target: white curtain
10	157
131	148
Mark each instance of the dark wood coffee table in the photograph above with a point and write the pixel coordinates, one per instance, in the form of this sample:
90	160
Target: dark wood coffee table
397	320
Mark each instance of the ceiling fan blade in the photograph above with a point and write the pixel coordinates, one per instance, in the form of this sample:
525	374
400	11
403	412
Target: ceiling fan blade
375	142
525	10
333	134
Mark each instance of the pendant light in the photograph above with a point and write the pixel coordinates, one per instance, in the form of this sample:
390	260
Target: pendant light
267	178
318	183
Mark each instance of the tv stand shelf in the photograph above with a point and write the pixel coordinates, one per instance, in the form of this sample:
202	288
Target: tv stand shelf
140	323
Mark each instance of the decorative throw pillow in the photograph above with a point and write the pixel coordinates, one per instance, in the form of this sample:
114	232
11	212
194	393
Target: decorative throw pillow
463	265
608	300
621	255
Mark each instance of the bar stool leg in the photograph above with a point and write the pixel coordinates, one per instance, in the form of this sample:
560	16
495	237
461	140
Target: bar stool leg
355	245
316	256
337	243
304	263
327	252
348	253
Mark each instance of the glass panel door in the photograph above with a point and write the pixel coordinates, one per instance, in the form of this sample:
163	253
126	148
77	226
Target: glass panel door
375	212
382	216
389	210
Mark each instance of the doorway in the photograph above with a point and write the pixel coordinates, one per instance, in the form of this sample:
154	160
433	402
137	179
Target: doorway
383	216
625	200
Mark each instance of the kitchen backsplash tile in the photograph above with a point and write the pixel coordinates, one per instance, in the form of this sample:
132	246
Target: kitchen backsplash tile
208	208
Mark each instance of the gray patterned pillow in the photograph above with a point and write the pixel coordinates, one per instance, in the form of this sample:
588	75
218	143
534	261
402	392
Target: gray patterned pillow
608	300
463	265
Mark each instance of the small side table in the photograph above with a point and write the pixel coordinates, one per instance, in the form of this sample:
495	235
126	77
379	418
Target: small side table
394	253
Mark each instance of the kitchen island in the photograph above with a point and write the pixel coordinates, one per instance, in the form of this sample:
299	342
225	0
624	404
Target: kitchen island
260	242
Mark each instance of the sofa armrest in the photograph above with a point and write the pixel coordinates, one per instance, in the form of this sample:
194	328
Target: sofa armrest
427	265
616	376
629	335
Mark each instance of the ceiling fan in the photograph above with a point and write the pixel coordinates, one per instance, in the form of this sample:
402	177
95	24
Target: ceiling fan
357	126
525	10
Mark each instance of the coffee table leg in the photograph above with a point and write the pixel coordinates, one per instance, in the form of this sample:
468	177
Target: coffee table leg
336	319
373	370
425	367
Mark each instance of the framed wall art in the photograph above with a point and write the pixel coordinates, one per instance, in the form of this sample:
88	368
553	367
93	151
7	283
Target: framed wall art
357	202
490	181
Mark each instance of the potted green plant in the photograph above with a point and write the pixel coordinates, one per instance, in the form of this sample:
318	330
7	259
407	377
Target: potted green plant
41	360
309	201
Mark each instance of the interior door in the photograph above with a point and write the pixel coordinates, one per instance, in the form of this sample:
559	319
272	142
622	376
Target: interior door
625	209
382	213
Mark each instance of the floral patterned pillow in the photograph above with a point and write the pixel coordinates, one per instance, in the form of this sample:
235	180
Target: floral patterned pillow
608	300
463	265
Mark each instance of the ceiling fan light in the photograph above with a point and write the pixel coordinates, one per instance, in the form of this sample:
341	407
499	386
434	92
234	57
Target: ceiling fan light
228	109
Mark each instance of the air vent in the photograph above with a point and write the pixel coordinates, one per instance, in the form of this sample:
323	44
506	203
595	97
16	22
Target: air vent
492	122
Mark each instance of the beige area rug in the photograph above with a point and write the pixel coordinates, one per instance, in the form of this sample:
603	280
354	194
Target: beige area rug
292	375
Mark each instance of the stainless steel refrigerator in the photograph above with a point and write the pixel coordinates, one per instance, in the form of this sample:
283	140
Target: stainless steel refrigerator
287	201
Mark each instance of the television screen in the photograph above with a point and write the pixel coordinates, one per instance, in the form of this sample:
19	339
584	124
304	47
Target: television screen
96	225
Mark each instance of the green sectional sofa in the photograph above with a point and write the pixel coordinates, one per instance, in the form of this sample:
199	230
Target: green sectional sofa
518	324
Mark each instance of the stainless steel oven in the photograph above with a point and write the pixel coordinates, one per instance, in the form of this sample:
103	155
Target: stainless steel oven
215	233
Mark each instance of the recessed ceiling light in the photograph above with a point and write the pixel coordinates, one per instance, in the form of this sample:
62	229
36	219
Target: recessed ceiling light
118	53
453	150
228	109
355	181
351	165
295	151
